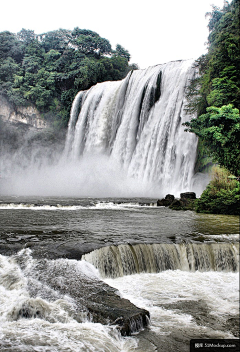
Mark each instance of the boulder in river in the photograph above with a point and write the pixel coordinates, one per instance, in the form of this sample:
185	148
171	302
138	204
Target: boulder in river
188	195
186	201
92	297
166	201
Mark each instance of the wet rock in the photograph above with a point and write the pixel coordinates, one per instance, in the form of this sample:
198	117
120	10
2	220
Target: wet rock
27	311
101	302
176	204
201	313
165	201
188	195
170	197
182	204
179	337
186	202
108	308
232	324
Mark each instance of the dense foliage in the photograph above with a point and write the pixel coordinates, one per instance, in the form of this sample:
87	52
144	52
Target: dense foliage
220	130
49	69
222	195
218	82
215	96
215	93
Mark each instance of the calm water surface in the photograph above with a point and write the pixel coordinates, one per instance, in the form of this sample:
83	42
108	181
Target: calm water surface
79	225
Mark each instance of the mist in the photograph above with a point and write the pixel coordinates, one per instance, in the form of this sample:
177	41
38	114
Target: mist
90	177
33	163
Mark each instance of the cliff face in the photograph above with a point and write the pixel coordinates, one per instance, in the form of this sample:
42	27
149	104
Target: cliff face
25	115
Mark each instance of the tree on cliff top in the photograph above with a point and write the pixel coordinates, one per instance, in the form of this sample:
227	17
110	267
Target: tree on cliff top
49	69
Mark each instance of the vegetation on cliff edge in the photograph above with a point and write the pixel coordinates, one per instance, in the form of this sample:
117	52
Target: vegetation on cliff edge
48	70
215	96
222	195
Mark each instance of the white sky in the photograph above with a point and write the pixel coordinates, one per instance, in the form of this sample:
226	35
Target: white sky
153	31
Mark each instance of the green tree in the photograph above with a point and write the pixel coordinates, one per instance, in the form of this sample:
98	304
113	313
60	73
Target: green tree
90	43
56	40
10	47
120	51
8	69
49	69
11	55
26	35
219	128
215	93
218	82
222	195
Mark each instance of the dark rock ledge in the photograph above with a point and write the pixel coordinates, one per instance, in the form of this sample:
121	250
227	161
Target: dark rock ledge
186	201
93	298
106	307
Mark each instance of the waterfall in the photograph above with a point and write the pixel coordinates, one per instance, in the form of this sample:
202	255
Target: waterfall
126	259
134	128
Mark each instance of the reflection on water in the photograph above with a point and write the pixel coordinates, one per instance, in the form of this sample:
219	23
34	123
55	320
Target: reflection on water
213	224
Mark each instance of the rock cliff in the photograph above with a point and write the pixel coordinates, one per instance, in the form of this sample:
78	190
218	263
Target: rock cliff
28	115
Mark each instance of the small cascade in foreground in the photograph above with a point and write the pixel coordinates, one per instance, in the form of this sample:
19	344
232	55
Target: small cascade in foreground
126	259
131	131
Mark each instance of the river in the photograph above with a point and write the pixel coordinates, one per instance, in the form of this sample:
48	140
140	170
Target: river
48	245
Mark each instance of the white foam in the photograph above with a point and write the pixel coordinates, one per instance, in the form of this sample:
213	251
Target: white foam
101	205
117	206
50	325
231	237
218	290
41	335
22	206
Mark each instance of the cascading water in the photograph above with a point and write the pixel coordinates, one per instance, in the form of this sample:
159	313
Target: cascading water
115	261
134	128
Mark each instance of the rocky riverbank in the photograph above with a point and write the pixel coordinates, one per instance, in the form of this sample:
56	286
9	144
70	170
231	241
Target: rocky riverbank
186	201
